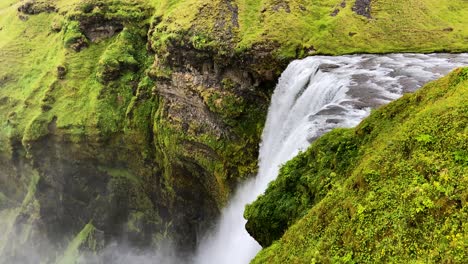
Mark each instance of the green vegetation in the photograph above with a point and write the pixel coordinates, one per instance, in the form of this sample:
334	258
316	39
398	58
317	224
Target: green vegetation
72	253
107	83
394	189
297	28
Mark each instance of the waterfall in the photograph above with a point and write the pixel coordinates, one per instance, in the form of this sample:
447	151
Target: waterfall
313	96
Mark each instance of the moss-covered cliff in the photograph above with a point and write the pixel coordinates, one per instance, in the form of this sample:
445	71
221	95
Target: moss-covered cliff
394	189
135	119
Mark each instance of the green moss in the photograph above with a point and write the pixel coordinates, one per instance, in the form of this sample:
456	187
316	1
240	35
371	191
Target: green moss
227	104
127	11
133	222
120	173
71	254
391	190
298	28
108	94
73	35
304	181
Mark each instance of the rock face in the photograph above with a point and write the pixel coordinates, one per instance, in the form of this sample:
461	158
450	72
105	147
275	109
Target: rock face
136	120
187	130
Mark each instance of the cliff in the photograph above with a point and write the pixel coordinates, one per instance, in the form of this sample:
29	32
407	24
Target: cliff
134	120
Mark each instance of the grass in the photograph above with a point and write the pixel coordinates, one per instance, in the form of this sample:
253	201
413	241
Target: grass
108	95
394	189
305	26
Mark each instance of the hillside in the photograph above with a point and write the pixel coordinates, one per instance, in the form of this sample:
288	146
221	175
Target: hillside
394	189
134	120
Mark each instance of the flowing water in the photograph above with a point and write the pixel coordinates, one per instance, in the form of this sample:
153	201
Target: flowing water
313	96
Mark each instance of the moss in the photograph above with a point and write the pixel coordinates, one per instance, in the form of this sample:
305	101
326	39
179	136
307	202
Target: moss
395	194
120	173
71	254
299	28
109	97
303	182
120	56
133	222
227	104
128	11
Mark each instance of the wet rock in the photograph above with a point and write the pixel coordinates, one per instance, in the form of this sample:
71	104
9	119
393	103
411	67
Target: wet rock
326	67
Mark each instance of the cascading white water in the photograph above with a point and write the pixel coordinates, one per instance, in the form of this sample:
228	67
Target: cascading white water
313	96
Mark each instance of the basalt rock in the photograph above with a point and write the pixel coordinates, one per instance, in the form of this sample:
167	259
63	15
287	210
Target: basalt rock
33	7
363	8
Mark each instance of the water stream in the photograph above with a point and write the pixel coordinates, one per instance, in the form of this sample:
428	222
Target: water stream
313	96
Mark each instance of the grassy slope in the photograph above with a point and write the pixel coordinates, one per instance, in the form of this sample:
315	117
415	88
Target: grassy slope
414	25
394	189
30	52
31	95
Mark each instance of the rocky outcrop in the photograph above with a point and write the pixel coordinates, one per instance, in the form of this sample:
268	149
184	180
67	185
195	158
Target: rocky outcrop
192	119
33	7
363	8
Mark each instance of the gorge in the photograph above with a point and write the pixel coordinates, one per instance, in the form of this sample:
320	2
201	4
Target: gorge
137	131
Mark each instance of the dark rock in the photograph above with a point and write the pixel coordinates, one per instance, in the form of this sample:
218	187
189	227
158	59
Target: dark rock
335	12
23	17
363	8
282	5
5	79
32	8
79	44
328	67
61	72
100	31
